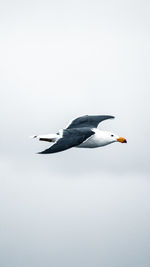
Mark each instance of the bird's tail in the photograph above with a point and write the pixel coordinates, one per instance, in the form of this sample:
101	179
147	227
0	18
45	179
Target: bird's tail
46	137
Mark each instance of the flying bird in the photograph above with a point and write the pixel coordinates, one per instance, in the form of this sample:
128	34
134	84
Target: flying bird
81	132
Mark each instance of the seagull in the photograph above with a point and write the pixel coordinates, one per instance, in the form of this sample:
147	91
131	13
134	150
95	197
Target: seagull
81	132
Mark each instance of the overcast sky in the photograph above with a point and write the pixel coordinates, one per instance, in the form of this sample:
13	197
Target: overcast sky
81	207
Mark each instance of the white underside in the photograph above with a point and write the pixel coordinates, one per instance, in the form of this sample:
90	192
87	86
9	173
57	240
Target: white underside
91	142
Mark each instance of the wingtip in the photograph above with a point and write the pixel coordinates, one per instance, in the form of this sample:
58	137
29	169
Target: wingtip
109	116
42	152
33	136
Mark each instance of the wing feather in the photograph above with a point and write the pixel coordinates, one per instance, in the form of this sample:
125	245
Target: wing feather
88	121
70	138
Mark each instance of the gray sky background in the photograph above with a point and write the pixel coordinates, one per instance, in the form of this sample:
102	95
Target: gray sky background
60	60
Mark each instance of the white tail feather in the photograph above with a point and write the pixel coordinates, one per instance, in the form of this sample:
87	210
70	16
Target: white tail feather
46	137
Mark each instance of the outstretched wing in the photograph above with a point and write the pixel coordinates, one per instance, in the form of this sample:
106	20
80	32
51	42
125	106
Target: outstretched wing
88	121
70	138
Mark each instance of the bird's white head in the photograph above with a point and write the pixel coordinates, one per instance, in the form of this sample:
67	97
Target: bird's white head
107	138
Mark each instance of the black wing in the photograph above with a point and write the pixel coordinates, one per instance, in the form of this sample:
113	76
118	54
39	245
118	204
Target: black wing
88	121
70	138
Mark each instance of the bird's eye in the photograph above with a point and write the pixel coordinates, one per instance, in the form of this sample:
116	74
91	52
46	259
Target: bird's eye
112	135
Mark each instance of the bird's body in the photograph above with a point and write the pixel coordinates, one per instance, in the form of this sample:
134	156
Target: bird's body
98	139
81	132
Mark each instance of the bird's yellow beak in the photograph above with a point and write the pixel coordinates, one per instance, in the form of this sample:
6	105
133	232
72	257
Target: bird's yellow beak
122	140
